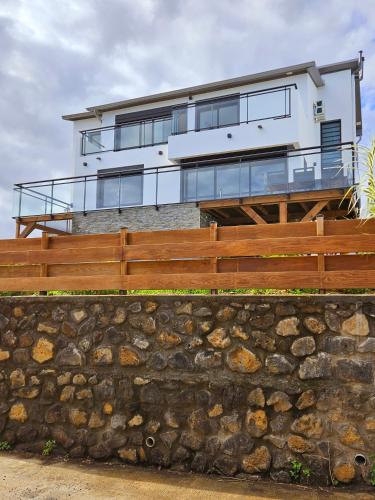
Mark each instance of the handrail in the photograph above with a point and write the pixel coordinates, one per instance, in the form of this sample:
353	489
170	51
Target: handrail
286	176
249	157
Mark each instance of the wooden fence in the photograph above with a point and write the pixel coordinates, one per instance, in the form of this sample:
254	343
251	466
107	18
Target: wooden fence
321	254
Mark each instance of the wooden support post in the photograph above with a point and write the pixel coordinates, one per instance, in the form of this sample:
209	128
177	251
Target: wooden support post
124	262
43	273
18	228
27	230
283	212
213	260
321	258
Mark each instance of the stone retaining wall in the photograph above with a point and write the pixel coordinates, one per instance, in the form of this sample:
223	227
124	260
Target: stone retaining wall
225	384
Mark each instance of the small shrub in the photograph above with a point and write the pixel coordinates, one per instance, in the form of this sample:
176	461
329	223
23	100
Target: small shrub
297	469
372	470
5	446
49	446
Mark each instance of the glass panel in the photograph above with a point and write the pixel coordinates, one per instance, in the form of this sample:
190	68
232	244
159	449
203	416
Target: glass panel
131	190
62	195
147	134
130	136
228	181
189	184
271	104
162	129
92	142
227	112
108	192
204	116
179	120
269	176
205	183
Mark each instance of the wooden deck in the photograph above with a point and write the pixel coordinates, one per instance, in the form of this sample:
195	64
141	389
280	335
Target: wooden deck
40	222
267	209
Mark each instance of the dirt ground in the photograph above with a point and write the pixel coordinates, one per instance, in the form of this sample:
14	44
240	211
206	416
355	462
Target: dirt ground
33	478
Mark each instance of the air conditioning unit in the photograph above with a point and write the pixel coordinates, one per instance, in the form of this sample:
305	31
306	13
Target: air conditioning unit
319	111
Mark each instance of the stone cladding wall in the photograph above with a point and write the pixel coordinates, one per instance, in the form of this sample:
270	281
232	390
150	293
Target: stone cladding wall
179	216
234	385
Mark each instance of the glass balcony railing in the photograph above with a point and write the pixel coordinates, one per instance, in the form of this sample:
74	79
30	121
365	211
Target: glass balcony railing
265	173
208	114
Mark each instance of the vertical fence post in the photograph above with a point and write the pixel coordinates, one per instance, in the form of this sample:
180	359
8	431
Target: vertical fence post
213	260
320	232
123	262
44	267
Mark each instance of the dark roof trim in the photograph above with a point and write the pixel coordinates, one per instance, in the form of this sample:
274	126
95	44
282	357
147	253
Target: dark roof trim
309	67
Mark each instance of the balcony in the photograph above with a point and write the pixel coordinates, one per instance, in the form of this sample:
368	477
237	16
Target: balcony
196	128
262	174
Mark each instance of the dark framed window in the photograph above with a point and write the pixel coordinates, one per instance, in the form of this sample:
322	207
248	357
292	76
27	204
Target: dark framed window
233	179
331	157
217	113
179	120
120	187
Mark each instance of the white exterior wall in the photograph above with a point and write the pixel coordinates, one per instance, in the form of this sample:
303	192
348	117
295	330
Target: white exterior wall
299	130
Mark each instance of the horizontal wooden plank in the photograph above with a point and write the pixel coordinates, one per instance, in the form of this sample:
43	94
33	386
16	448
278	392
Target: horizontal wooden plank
170	251
64	256
84	240
242	264
301	229
245	248
279	280
19	271
19	244
168	236
349	227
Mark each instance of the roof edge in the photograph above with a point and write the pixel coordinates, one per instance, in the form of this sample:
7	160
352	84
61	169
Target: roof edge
309	67
264	76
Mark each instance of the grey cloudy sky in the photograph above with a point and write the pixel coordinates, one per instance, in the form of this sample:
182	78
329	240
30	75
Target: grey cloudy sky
60	56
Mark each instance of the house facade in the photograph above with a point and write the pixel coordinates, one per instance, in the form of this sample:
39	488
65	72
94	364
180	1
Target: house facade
270	147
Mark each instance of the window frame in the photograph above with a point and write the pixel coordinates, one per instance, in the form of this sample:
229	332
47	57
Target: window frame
117	173
215	107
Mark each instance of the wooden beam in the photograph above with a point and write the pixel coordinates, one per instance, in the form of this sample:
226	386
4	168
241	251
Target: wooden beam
27	230
51	230
327	194
283	212
314	211
45	218
304	206
262	209
221	213
252	214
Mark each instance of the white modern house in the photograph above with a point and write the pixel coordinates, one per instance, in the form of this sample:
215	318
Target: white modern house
275	146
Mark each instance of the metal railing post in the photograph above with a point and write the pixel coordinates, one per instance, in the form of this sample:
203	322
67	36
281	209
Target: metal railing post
84	197
20	202
52	191
119	194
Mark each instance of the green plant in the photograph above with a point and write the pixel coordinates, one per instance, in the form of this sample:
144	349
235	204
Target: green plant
49	446
5	446
297	469
365	165
372	470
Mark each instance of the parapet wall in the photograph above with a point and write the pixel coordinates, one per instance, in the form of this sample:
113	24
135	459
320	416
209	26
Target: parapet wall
225	384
